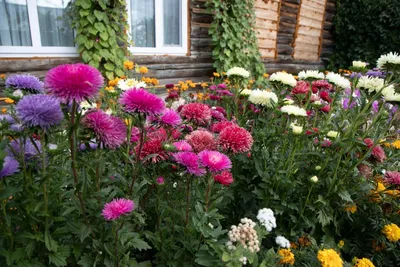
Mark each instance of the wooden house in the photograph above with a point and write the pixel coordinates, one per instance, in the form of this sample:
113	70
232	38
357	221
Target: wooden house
171	36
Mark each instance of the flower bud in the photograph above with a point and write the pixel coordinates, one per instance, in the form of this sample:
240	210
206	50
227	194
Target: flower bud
314	179
317	168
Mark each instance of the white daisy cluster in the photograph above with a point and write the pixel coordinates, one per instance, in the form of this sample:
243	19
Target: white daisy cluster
294	110
127	84
282	242
245	234
371	83
311	74
390	94
264	98
297	129
267	218
338	80
237	71
284	78
359	64
243	260
246	92
390	58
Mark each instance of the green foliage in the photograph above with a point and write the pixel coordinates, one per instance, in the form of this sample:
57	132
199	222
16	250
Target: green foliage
101	28
364	30
233	36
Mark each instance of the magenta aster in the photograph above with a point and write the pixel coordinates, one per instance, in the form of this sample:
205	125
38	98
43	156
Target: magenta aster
170	118
139	100
109	130
219	126
393	177
116	208
190	161
73	82
224	178
197	113
214	160
182	146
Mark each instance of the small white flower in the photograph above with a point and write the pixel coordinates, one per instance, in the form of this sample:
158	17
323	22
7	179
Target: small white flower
243	260
359	64
287	101
127	84
237	71
390	58
284	78
86	106
282	242
211	225
314	179
174	185
296	128
264	98
108	111
18	93
52	146
246	92
317	103
390	94
311	74
338	80
294	110
267	218
332	134
317	168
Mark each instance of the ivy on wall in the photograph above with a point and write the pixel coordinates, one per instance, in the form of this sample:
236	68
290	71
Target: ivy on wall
101	34
364	30
233	36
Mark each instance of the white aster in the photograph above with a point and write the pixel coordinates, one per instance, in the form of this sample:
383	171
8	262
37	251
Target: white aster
390	58
282	242
176	104
267	218
314	179
237	71
311	74
18	93
288	101
264	98
332	134
390	94
127	84
371	83
294	110
338	80
359	64
246	92
284	78
297	129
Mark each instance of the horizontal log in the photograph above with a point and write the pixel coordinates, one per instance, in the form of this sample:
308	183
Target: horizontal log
306	55
284	58
285	39
291	9
327	35
329	16
200	11
164	59
267	34
307	47
266	43
286	28
173	73
271	5
297	2
313	23
312	40
313	9
266	14
201	25
292	68
263	24
267	53
199	32
328	25
312	14
200	18
194	65
32	64
309	31
289	20
284	49
313	3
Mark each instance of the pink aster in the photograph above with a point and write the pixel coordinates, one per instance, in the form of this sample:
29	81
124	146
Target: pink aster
73	82
152	149
393	177
224	178
182	146
325	96
219	126
214	160
301	87
109	130
160	180
116	208
326	108
365	170
235	139
140	100
197	113
190	161
135	134
170	117
321	85
369	142
217	115
378	154
201	140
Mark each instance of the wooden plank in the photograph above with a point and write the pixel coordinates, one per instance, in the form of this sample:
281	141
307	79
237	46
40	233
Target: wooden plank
305	55
266	43
307	39
267	34
260	4
266	24
318	4
201	25
304	30
312	23
267	53
200	11
266	14
312	14
312	48
32	64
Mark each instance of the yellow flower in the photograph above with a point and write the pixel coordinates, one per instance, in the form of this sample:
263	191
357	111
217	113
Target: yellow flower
204	84
341	244
304	241
129	65
110	89
154	81
251	81
364	262
143	70
127	121
329	258
9	100
146	79
184	87
296	77
4	110
181	82
265	75
223	73
287	257
216	74
351	208
396	144
392	232
200	96
386	144
2	76
113	82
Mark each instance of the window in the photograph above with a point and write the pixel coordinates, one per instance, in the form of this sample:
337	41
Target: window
158	26
35	28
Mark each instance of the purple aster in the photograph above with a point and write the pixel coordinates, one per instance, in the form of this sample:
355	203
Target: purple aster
346	103
39	110
356	74
213	87
376	73
375	106
25	82
29	149
10	166
6	117
17	127
217	115
191	161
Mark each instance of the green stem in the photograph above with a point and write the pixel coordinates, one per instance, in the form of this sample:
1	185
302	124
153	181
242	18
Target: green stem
188	183
8	223
208	192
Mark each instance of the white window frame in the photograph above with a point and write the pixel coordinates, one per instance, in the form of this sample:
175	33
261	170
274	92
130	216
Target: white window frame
36	50
159	48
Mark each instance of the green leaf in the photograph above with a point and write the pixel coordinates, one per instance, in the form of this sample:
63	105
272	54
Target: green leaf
110	75
104	36
226	257
323	217
86	4
89	44
119	72
86	56
86	261
50	243
345	195
138	243
57	259
91	19
83	12
84	232
99	15
109	66
100	26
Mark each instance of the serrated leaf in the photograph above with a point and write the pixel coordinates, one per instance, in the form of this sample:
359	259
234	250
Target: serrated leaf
86	261
345	195
84	232
323	217
138	243
57	259
50	243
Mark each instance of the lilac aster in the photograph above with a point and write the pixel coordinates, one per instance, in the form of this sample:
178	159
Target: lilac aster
26	82
28	149
109	130
214	160
140	100
39	110
10	166
73	82
170	118
6	118
191	161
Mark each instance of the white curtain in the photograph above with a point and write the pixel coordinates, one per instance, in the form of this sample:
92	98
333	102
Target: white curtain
55	26
14	23
143	26
172	22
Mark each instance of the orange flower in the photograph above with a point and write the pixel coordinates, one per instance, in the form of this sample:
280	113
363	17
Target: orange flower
110	89
9	100
4	110
265	75
293	245
304	241
128	65
113	82
204	85
184	87
154	81
351	208
123	77
216	74
143	70
192	85
2	76
181	82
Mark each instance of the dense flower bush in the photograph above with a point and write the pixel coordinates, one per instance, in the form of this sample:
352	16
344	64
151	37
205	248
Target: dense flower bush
303	173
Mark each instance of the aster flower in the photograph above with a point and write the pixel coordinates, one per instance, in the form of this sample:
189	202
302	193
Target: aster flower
237	71
160	180
388	59
284	78
217	115
219	126
116	208
325	96
73	82
378	154
372	84
294	110
182	146
224	178
27	149
190	161
365	170
26	82
152	149
39	110
321	85
201	140
301	87
139	100
127	84
393	177
376	73
267	218
214	160
246	92
338	80
109	130
197	113
7	118
135	134
235	139
10	166
264	98
170	118
311	75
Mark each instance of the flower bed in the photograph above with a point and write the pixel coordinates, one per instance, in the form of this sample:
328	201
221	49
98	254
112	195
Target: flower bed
304	173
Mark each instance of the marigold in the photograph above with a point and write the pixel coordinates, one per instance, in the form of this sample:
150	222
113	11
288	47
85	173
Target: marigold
129	65
109	89
143	70
364	262
396	144
304	241
204	84
351	208
392	232
113	82
9	100
216	74
184	87
4	110
329	258
154	81
2	76
287	257
265	75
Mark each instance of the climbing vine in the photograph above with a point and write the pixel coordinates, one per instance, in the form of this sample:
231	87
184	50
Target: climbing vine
233	36
101	34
